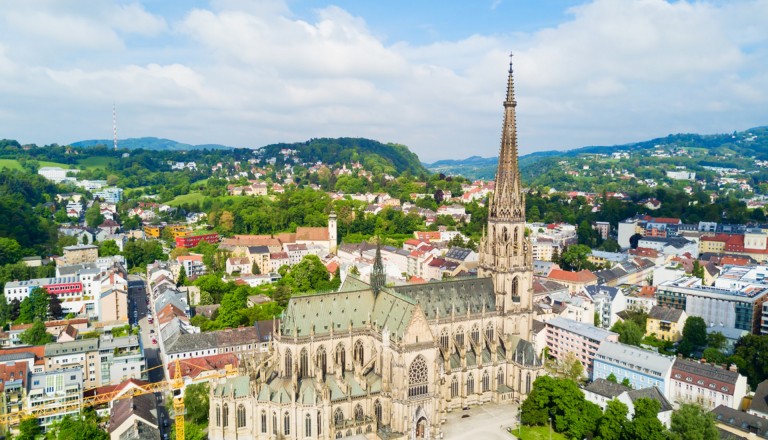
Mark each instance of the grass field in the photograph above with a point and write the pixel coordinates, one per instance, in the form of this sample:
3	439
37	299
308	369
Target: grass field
97	162
194	197
14	164
11	164
536	433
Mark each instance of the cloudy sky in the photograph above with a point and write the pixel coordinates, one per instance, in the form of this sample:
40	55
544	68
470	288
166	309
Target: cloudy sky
428	74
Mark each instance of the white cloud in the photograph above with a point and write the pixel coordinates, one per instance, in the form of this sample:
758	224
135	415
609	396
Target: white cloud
252	73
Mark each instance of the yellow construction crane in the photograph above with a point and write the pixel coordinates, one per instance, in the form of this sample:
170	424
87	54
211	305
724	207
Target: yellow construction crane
175	386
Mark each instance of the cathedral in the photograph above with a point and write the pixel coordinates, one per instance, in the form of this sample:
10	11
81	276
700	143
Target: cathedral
388	362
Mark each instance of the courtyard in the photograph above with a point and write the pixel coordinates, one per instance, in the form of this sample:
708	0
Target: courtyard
489	421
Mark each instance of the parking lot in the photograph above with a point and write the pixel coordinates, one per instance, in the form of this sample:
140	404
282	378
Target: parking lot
487	421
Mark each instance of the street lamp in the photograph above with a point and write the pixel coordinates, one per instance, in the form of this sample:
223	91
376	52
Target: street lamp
550	428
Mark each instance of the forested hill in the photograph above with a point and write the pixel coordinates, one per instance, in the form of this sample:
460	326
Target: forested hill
149	143
748	143
373	155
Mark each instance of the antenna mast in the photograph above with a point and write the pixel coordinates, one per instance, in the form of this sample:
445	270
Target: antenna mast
114	124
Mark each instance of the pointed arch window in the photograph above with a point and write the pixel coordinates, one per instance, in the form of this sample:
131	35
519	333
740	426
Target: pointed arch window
286	423
514	286
263	422
418	377
218	415
499	378
274	423
528	384
341	356
486	382
444	339
319	423
470	384
241	416
338	417
359	352
307	425
489	333
322	359
377	411
459	336
358	413
475	334
455	387
225	415
303	363
288	363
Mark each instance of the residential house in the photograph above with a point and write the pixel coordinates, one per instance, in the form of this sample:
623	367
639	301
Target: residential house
665	323
575	281
609	302
134	418
565	336
59	389
240	265
642	368
707	385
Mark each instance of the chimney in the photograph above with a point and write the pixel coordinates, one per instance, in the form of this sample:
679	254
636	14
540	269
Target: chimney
733	368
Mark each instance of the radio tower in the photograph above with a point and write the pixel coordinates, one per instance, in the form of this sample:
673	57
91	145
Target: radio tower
114	124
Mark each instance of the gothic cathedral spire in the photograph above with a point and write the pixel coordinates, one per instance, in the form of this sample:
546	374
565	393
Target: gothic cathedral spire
378	276
508	201
505	252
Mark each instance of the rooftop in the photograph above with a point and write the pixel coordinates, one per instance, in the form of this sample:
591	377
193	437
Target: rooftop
581	329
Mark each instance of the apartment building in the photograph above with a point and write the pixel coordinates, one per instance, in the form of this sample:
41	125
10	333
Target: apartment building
565	336
707	385
642	368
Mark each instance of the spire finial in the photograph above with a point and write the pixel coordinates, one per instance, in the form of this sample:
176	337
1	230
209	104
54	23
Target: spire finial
378	276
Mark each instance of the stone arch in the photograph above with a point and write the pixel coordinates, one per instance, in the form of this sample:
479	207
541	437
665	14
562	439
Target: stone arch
499	377
470	384
359	415
225	415
308	425
455	386
418	377
528	383
240	416
515	286
359	352
486	381
218	415
421	424
504	234
287	423
377	411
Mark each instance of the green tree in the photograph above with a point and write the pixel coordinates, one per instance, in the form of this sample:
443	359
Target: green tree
93	217
54	307
255	269
695	331
83	427
182	279
751	356
714	355
29	429
716	340
645	423
612	423
10	251
36	335
35	306
612	378
691	422
196	403
107	248
231	305
629	332
575	257
309	274
698	270
626	382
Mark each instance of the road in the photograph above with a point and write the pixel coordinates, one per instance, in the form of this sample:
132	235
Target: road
152	355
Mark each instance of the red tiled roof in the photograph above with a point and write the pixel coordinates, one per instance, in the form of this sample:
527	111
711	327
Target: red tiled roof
644	252
583	276
312	234
647	291
332	266
194	366
734	261
417	280
668	220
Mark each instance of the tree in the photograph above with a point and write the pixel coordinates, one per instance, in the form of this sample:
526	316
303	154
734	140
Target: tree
575	257
695	331
36	335
226	221
626	382
629	332
10	251
698	270
196	402
569	367
83	427
751	356
255	269
714	355
29	429
54	307
93	217
645	423
107	248
612	378
35	306
716	340
691	422
182	279
309	274
612	423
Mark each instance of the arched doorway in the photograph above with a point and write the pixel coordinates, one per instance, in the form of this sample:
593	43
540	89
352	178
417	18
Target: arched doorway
421	428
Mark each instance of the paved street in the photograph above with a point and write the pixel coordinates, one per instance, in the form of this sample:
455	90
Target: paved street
152	353
487	421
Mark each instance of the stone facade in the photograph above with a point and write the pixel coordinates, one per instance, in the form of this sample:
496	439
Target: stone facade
389	362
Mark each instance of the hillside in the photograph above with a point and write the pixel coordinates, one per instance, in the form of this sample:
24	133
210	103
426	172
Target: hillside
748	143
149	143
375	156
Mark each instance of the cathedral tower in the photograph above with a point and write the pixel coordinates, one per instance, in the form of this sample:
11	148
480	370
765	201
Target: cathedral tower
505	251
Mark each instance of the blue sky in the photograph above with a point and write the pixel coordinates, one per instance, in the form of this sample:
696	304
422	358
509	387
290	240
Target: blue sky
427	74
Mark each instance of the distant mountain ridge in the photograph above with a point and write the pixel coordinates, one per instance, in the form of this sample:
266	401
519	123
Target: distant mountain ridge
150	143
750	142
